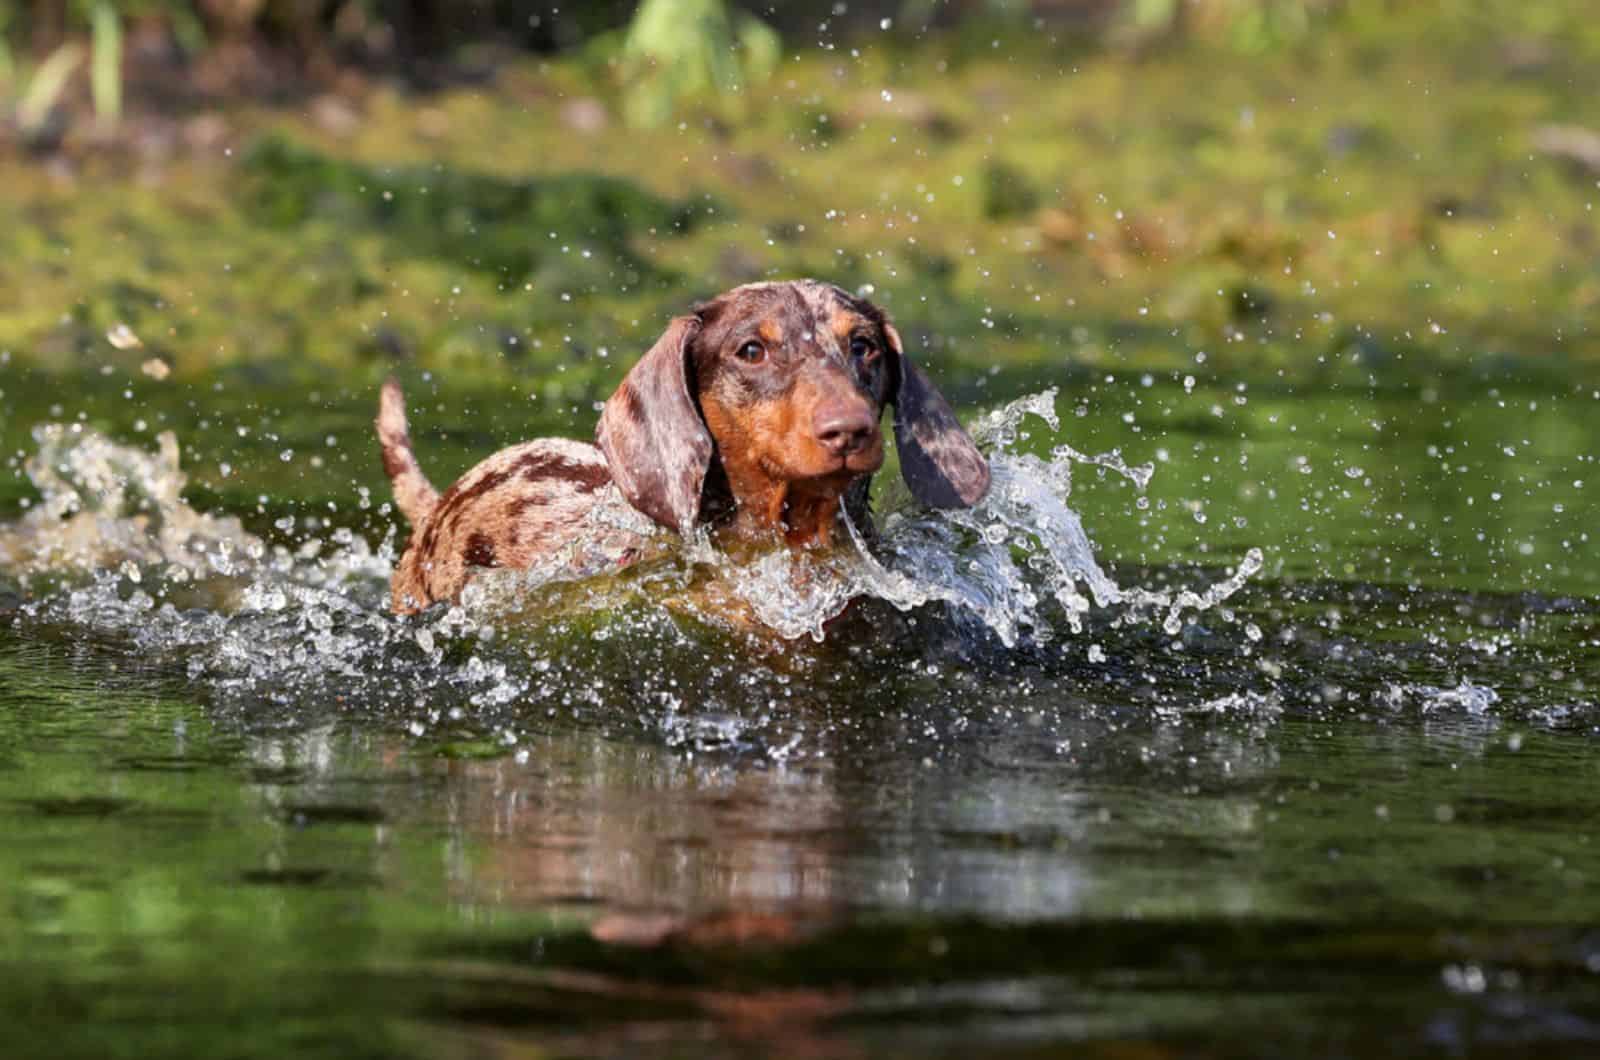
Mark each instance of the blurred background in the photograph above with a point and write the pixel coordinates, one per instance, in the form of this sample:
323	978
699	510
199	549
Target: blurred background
1371	189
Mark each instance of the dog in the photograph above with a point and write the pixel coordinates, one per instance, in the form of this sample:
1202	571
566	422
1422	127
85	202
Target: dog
757	414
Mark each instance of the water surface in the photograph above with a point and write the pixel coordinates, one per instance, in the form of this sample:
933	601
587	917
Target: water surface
1346	810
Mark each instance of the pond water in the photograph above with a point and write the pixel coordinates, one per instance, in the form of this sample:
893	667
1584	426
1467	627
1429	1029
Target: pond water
1024	797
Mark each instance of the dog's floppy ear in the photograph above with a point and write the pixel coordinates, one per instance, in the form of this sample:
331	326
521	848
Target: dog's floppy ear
655	442
937	457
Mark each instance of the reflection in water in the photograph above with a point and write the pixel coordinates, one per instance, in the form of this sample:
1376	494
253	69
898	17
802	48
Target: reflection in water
1026	818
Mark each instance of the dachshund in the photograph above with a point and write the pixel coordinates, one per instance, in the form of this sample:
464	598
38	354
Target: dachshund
756	415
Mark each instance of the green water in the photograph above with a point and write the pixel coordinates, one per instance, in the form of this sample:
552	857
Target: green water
910	840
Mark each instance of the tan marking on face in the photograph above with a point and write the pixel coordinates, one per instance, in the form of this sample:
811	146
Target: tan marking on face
844	323
739	431
780	478
771	333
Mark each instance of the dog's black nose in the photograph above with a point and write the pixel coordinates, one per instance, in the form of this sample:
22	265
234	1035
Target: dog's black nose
844	427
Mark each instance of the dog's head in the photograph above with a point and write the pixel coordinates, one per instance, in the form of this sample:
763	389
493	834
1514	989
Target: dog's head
784	384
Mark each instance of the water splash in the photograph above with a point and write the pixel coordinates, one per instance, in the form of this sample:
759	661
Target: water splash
104	504
1003	561
112	547
1465	696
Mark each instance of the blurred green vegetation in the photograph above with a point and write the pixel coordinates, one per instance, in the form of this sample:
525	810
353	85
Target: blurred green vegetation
470	220
1367	197
683	49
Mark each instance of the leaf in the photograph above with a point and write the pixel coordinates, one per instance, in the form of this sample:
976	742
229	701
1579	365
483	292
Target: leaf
762	47
105	64
46	86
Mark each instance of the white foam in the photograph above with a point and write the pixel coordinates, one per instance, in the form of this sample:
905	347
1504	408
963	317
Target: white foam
1474	699
1019	561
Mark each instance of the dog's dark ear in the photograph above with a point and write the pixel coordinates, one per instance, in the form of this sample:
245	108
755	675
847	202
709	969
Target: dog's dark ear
937	457
655	442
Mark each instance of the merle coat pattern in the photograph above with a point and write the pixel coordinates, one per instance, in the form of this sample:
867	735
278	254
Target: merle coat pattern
757	413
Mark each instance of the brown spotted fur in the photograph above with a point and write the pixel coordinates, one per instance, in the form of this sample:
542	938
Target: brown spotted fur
698	432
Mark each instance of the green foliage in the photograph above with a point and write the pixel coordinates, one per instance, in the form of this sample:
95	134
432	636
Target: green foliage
8	62
1007	192
673	53
575	226
33	98
1250	26
1011	218
43	90
105	63
1264	24
679	50
1153	14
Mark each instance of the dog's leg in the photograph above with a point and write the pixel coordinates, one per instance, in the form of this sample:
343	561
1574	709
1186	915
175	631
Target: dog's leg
413	494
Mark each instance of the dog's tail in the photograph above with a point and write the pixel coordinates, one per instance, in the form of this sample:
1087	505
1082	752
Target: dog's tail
413	494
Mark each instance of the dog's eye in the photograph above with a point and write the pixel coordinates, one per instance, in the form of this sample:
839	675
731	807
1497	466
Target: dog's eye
863	347
752	352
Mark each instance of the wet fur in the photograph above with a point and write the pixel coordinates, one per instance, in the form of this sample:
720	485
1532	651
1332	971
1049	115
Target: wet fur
512	510
698	434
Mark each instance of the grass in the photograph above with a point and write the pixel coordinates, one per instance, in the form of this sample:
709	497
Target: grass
1363	203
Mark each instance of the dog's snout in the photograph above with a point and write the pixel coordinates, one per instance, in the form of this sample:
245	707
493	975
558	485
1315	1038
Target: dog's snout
844	427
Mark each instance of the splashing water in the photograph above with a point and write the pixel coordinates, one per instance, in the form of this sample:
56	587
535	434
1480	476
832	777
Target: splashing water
104	503
1003	561
1465	696
112	547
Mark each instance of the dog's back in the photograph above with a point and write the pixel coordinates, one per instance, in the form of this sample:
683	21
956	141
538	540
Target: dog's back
514	509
